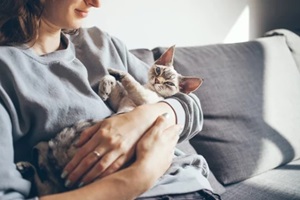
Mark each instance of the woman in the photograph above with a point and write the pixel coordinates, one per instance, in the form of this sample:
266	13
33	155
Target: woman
48	81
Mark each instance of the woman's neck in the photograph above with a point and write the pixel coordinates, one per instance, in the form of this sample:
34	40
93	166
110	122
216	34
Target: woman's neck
48	41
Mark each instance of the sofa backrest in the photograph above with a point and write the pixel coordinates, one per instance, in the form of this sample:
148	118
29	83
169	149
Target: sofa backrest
251	103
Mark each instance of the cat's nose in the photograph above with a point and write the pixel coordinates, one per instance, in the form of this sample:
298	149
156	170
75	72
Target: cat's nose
156	81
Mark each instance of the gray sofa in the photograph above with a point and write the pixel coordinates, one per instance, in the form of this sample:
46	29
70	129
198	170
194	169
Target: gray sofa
251	103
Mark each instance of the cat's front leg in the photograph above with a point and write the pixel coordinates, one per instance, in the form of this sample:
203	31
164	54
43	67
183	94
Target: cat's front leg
136	92
28	172
106	86
118	74
128	82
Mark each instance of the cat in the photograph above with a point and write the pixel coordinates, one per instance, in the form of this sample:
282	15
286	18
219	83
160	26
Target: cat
122	93
49	159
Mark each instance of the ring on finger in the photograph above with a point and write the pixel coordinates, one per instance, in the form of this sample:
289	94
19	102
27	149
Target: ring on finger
97	154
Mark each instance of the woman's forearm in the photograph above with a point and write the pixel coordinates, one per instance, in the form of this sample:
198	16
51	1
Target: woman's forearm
125	184
117	137
150	112
154	153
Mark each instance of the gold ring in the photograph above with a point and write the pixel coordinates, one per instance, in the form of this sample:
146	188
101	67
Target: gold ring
97	154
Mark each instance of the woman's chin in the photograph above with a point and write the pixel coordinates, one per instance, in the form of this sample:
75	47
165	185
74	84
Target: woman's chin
76	25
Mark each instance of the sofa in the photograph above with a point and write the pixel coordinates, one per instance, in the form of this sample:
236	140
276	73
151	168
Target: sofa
251	104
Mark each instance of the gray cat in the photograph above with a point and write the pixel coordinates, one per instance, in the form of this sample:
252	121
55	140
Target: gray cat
122	93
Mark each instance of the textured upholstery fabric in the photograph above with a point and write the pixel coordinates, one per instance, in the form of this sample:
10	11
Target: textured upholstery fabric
145	55
278	184
250	99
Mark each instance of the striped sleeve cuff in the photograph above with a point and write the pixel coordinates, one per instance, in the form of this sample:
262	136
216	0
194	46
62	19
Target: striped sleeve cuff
178	110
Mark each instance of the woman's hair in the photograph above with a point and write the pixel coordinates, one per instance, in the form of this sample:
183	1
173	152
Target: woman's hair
19	20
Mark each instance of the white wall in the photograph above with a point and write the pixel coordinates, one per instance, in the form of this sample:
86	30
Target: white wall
151	23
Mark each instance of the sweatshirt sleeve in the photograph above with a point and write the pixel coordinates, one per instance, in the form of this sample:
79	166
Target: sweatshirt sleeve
188	113
136	67
12	185
186	107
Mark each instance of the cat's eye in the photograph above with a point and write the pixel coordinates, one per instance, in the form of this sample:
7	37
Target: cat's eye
158	70
170	83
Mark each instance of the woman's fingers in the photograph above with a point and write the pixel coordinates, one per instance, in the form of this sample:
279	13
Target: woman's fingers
158	127
157	145
82	153
87	134
85	165
118	164
104	149
94	157
173	133
108	162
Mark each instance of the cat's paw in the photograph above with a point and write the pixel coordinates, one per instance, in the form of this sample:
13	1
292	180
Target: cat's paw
26	169
106	85
118	74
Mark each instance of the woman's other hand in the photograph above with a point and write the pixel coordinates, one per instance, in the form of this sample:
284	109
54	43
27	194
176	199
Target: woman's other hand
156	148
108	145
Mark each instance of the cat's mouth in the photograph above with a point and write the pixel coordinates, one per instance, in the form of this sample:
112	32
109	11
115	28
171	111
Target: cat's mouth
159	89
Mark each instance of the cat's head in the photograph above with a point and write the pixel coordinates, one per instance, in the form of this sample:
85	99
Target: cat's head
164	79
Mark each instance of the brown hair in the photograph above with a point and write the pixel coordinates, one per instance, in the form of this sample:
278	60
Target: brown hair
19	20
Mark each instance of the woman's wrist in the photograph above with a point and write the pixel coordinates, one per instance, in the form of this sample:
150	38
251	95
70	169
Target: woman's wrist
143	170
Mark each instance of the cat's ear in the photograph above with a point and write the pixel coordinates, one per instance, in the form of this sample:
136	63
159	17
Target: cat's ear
166	58
189	84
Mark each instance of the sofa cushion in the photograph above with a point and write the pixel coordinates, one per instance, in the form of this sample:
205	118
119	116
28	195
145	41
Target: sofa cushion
145	55
277	184
250	99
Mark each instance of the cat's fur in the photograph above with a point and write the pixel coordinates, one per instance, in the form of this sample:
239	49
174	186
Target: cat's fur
49	159
122	92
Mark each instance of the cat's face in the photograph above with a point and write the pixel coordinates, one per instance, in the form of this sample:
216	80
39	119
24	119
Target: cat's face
164	80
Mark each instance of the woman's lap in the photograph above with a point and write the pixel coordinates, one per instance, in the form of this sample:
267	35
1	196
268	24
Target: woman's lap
199	195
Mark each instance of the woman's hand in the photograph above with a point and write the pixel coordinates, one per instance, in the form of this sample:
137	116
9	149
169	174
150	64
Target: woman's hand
154	153
102	149
156	148
108	145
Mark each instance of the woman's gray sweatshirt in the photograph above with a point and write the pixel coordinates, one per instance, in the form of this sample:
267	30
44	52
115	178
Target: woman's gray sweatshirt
40	95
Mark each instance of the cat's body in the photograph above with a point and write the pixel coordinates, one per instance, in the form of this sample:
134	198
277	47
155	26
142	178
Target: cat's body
123	97
49	159
122	92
